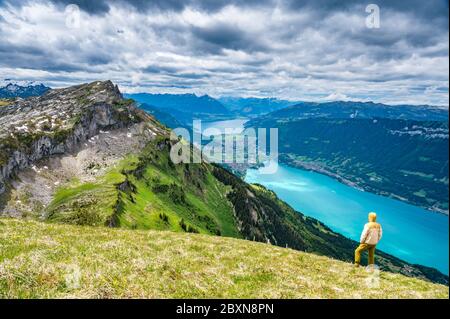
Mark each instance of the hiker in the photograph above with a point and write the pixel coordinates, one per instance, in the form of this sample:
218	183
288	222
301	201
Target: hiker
370	237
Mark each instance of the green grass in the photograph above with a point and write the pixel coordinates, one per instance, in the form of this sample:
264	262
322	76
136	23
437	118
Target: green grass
153	195
207	210
49	260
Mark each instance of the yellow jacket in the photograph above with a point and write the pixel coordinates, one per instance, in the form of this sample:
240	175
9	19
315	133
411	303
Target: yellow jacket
371	233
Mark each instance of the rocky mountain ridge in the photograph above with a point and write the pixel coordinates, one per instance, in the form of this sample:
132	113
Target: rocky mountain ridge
58	122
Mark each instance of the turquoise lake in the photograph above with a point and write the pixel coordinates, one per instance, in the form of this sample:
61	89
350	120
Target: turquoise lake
409	232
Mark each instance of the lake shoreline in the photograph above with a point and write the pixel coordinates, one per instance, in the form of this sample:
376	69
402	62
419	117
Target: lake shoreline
308	166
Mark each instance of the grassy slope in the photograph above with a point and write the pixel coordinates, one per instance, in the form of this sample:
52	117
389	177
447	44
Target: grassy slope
42	260
146	192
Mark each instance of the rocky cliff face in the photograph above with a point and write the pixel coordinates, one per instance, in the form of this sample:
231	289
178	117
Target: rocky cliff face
59	122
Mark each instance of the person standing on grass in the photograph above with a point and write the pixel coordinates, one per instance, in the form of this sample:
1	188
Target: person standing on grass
370	237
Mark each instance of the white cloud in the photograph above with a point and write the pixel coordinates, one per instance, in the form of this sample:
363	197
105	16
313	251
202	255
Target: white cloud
337	96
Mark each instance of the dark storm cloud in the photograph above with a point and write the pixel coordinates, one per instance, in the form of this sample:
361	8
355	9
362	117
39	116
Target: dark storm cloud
161	69
433	14
6	47
435	9
224	36
103	6
432	9
39	58
36	62
90	6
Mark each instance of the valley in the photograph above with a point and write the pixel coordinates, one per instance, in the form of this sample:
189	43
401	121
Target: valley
85	156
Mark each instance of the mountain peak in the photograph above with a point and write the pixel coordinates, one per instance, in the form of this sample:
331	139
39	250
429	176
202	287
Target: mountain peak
37	127
59	108
187	102
12	89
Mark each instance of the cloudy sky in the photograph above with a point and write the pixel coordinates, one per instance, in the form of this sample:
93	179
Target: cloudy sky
302	50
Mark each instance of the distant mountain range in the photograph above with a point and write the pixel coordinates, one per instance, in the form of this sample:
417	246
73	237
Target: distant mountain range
252	107
184	107
180	109
341	109
169	120
13	89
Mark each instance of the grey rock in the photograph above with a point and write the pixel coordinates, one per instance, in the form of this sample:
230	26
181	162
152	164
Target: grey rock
58	122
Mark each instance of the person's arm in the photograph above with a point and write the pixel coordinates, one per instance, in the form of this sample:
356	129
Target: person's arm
380	233
364	234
